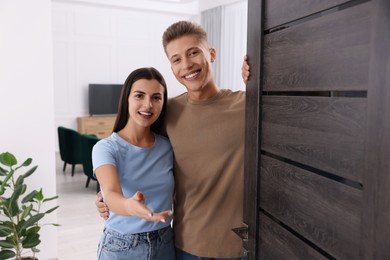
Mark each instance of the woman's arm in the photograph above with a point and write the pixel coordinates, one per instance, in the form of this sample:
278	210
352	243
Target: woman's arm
116	202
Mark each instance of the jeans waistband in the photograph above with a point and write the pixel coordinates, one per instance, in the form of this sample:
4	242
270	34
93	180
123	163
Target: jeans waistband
143	235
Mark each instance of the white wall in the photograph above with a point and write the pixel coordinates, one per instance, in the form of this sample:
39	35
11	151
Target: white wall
102	43
26	99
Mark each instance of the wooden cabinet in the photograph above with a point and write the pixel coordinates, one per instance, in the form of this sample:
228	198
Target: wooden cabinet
101	126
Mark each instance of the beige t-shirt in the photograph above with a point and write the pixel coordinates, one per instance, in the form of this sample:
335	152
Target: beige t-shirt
208	143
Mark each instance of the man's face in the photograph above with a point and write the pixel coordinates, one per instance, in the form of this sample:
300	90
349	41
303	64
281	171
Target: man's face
190	60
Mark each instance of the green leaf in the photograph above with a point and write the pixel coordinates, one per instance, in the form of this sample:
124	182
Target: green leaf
26	211
16	194
19	180
24	189
6	244
19	228
33	230
8	224
2	188
52	209
53	224
8	159
31	240
6	254
29	197
27	162
39	195
3	172
33	220
13	208
49	199
35	250
5	230
31	171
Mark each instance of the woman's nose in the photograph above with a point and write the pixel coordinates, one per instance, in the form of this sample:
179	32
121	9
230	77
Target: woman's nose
148	103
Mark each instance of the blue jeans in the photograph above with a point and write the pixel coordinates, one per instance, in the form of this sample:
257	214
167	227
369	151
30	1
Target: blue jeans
154	245
182	255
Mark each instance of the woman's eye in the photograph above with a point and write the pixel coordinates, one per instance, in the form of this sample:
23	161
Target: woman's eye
157	98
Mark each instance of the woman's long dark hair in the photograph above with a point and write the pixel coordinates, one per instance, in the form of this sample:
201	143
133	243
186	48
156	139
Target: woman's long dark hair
123	108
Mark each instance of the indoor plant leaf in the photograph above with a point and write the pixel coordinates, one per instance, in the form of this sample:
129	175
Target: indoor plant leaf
31	240
33	230
8	159
29	197
26	211
32	220
39	195
6	244
13	208
49	199
27	162
3	172
4	230
51	210
21	230
4	183
6	254
29	172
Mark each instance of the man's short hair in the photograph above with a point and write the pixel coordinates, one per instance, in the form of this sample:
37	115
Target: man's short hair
182	28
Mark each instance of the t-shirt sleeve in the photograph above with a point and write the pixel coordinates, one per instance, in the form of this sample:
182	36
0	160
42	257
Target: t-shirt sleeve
102	154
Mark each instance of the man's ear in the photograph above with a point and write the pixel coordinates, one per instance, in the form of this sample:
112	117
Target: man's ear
213	54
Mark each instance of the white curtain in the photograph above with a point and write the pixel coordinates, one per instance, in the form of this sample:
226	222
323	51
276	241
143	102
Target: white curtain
226	27
211	21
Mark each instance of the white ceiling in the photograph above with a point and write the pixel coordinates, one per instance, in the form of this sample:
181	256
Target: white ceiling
177	1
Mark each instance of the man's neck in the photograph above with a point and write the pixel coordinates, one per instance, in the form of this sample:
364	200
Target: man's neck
204	94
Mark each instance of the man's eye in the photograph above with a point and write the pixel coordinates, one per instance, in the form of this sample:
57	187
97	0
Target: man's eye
193	53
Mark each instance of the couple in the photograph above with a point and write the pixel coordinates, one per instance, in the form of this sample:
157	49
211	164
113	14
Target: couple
199	169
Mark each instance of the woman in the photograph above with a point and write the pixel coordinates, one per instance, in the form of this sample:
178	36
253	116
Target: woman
134	169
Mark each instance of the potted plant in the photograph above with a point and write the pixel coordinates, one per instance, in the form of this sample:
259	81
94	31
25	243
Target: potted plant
20	212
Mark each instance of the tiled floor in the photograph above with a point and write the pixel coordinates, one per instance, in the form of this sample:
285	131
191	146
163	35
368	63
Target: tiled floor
81	225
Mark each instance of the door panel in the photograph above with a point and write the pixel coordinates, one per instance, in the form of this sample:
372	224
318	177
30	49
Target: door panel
277	243
283	11
318	130
326	53
322	132
322	210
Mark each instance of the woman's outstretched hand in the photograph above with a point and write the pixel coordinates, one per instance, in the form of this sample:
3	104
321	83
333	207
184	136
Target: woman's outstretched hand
137	207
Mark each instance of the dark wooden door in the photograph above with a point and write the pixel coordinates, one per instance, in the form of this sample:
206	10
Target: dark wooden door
317	160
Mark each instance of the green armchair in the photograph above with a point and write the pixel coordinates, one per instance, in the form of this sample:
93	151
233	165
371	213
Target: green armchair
70	147
87	143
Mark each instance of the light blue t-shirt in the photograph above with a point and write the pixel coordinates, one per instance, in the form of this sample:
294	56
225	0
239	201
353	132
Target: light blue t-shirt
148	170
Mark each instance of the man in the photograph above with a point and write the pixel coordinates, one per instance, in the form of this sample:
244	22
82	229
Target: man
206	128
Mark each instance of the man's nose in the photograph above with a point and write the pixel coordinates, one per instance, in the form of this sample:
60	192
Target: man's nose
187	63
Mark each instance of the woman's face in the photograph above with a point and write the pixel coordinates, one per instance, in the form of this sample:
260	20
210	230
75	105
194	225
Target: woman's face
146	100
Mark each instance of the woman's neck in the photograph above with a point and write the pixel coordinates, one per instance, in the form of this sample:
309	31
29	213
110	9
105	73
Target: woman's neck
141	137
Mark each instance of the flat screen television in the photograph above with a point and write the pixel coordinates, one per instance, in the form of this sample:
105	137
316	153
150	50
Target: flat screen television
104	98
